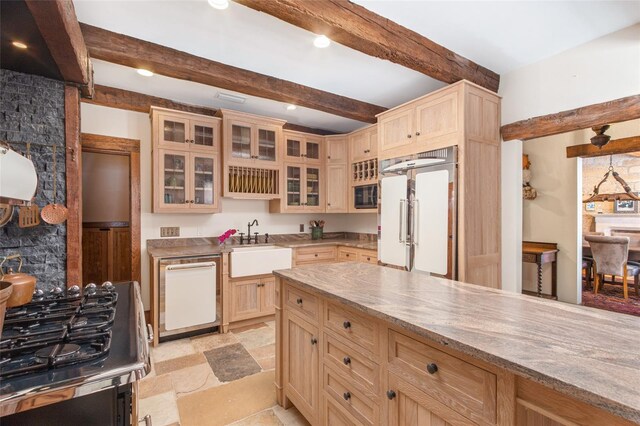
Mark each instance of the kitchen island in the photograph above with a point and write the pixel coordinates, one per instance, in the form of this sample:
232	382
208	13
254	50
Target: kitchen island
364	344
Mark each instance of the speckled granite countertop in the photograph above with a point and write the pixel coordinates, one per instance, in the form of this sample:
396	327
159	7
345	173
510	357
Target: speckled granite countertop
589	354
213	249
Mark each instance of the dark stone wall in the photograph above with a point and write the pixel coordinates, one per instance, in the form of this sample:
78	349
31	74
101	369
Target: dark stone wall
32	110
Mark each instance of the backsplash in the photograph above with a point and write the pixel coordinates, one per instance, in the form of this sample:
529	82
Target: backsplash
32	110
276	238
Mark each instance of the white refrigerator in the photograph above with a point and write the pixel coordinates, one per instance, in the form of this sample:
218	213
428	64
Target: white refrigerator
417	215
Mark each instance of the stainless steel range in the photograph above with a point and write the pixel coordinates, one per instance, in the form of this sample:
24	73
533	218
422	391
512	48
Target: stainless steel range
73	357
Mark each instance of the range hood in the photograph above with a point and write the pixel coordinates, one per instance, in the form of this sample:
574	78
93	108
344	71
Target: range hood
18	178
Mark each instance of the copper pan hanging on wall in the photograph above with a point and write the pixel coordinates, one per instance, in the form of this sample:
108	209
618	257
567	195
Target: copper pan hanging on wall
53	213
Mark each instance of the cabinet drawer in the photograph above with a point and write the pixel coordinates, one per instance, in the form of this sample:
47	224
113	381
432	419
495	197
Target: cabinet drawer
301	302
355	328
316	254
368	256
351	363
335	415
346	254
467	389
353	399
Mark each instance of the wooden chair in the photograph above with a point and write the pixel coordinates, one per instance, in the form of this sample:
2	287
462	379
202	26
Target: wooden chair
610	257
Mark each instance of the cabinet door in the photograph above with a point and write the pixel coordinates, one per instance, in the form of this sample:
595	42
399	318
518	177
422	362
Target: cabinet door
204	181
436	119
313	150
337	151
409	406
359	143
173	132
241	140
268	295
313	187
266	144
294	188
245	299
300	364
337	189
373	143
293	147
121	255
396	130
172	188
205	136
95	255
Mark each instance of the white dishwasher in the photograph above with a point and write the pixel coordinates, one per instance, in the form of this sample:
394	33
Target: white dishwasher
188	295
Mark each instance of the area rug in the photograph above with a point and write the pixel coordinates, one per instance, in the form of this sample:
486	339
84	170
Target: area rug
610	298
231	362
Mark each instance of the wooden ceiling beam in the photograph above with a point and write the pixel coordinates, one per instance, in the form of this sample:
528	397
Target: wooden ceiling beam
56	20
139	102
614	147
360	29
616	111
132	52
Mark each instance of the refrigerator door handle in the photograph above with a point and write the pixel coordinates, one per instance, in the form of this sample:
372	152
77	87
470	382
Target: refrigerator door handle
416	224
401	218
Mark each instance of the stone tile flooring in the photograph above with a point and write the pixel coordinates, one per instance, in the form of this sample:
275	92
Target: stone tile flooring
184	389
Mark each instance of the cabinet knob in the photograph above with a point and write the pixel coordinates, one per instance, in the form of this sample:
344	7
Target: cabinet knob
328	157
432	368
347	254
314	341
346	360
346	396
391	394
328	204
368	259
346	324
299	301
417	133
409	136
316	254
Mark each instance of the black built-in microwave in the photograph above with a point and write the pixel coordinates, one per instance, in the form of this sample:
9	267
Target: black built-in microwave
365	196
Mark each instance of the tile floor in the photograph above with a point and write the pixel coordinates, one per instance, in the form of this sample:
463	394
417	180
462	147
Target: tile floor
216	379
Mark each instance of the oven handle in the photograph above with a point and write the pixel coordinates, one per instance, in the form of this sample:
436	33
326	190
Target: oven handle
206	265
146	419
150	333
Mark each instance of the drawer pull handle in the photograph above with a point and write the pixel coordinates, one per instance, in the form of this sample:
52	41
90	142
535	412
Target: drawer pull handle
346	324
432	368
314	341
391	394
299	301
346	360
368	259
346	396
316	255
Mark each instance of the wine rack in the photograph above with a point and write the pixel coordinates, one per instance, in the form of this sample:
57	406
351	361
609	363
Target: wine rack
365	171
251	180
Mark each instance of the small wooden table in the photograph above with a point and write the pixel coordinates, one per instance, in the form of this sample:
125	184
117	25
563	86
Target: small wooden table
541	253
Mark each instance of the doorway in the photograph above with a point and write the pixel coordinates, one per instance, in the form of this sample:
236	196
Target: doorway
110	209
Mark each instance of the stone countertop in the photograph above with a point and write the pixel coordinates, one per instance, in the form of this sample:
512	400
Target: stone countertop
589	354
213	249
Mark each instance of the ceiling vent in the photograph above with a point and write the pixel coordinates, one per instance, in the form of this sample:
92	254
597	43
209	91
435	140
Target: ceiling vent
231	98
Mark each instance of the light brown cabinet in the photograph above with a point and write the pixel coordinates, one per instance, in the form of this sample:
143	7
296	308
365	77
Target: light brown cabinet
106	254
302	147
186	162
351	254
251	140
303	189
337	188
337	149
363	143
251	297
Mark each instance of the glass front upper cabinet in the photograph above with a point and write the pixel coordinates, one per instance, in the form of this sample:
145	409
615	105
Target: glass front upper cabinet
173	131
313	187
241	141
294	187
266	145
174	179
203	135
203	169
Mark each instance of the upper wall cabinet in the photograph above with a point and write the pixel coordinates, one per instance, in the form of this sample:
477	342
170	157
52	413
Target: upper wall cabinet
302	147
364	143
431	122
337	149
186	162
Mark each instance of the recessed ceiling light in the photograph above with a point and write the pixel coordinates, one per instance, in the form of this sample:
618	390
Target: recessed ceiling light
291	107
19	45
219	4
231	98
144	72
321	41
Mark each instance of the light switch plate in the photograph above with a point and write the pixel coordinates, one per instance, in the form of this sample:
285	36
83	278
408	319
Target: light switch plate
169	231
302	227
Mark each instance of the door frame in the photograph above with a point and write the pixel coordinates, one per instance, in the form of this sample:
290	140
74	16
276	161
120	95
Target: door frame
131	149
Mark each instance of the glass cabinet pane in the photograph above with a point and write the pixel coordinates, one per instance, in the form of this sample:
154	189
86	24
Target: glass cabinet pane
203	135
293	186
203	180
313	150
266	145
313	187
240	141
174	131
174	181
293	148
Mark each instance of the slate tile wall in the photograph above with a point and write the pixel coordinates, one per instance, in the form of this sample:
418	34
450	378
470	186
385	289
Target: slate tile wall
32	110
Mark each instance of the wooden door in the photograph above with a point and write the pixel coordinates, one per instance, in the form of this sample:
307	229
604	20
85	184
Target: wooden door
173	132
294	187
337	150
301	364
293	146
359	145
268	295
373	143
437	122
409	406
396	129
313	150
172	190
240	143
121	238
266	144
529	415
204	182
95	255
313	199
205	135
337	189
245	299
